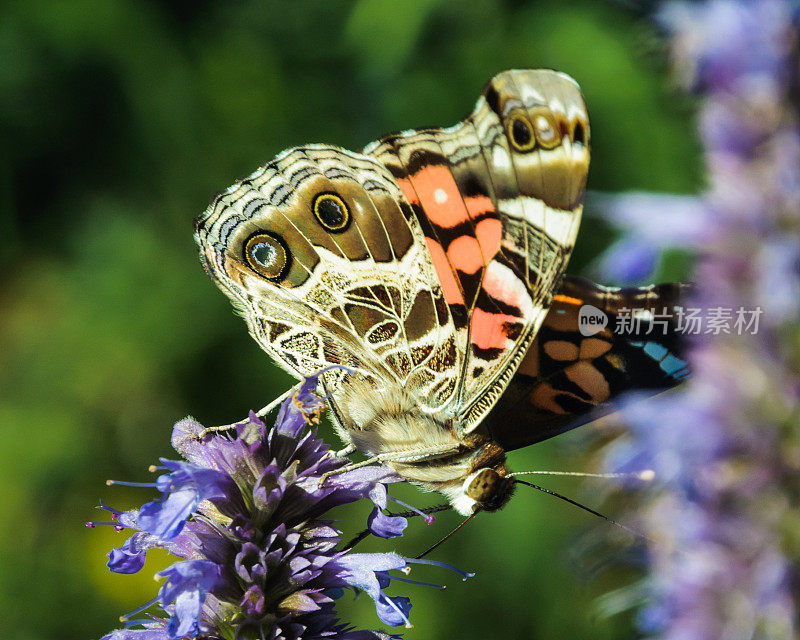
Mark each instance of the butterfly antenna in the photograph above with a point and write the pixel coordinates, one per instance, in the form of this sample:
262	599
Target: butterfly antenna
584	507
646	475
402	514
448	536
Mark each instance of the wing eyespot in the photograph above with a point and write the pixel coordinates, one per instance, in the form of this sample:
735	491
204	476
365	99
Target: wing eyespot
331	211
266	253
520	133
546	130
579	133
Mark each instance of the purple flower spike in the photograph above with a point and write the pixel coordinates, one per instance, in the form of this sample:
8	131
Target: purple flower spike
719	558
249	519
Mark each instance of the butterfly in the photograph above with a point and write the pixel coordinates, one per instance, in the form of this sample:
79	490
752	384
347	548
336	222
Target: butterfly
429	269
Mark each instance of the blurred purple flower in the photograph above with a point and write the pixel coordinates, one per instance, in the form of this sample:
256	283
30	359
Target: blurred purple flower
730	46
650	223
721	447
628	261
246	513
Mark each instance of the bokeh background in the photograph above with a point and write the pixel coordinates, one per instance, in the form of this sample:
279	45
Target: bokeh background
120	120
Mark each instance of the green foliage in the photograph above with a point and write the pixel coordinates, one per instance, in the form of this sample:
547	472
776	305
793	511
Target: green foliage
120	121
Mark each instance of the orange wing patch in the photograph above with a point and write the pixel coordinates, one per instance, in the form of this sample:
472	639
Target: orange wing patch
465	239
491	330
439	196
466	255
450	286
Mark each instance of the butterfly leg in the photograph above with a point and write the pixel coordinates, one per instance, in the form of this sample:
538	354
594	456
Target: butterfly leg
277	401
260	413
349	467
343	453
412	455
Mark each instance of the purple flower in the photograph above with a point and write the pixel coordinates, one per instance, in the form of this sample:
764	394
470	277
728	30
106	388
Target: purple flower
386	526
247	514
365	571
731	46
184	488
186	588
629	260
650	223
130	557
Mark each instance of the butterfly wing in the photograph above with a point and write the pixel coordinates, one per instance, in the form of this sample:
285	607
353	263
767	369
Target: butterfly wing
499	198
567	378
443	267
322	256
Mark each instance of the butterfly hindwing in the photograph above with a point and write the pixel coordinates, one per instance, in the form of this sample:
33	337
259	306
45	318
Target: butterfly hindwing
499	198
568	378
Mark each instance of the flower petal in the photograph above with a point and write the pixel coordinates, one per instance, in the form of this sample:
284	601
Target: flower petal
385	526
184	488
187	585
298	603
393	611
130	557
358	570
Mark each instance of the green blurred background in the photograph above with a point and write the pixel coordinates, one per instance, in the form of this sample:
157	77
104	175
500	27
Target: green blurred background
120	120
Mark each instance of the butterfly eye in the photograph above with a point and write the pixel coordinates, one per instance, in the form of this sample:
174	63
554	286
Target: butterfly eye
267	255
546	132
484	485
331	212
520	133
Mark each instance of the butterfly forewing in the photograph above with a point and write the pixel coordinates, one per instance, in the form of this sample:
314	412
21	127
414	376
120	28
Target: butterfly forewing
361	293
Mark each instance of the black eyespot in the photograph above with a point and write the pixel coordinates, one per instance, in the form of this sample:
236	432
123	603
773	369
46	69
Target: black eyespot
267	254
578	133
520	133
331	212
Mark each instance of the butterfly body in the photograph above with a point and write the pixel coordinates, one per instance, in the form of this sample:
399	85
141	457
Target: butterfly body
430	450
423	266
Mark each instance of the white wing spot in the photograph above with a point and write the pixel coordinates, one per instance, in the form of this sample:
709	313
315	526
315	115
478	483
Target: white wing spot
440	196
501	159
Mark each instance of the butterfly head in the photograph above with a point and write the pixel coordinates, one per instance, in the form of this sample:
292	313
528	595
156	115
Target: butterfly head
489	488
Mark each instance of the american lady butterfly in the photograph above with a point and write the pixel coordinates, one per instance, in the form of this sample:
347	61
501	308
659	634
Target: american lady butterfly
426	266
